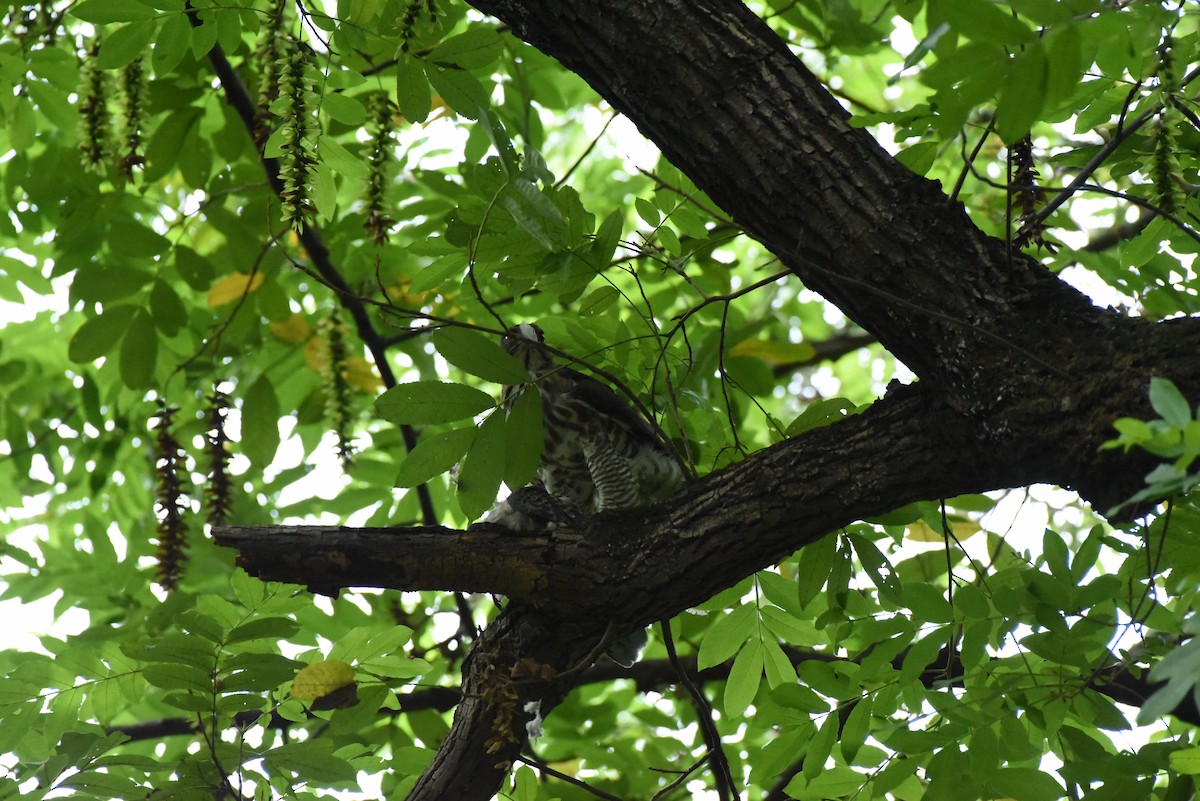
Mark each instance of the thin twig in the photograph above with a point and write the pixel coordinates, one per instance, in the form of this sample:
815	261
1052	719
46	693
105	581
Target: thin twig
587	151
538	764
1102	155
722	776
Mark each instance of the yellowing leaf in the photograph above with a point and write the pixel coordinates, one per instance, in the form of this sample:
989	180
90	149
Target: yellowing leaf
316	353
363	11
774	353
231	287
921	531
360	374
293	329
357	371
320	679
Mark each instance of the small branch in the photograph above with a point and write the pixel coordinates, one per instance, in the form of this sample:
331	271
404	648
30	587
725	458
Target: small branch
549	771
1121	232
1102	155
722	776
827	350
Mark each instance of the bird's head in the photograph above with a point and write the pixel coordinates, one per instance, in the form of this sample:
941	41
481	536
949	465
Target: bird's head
527	342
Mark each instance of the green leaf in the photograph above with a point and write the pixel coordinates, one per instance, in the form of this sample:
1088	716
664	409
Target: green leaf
202	625
139	352
919	157
176	648
482	469
369	644
171	45
525	784
1064	64
744	679
270	628
324	191
340	160
137	238
434	455
776	665
313	760
412	89
104	785
647	211
726	636
1186	761
248	590
608	236
429	402
461	90
781	591
599	300
813	564
1180	669
193	268
53	102
102	11
170	315
523	440
971	601
921	655
125	44
260	422
97	336
785	626
478	355
857	726
983	21
834	782
1023	94
474	48
1169	402
820	747
166	143
179	677
344	109
1025	784
927	602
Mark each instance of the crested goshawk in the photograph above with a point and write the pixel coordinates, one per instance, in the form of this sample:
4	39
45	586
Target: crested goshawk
598	453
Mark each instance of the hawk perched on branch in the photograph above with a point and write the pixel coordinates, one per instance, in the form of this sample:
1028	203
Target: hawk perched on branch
599	454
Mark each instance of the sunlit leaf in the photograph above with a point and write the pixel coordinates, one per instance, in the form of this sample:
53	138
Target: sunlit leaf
744	678
233	287
321	678
474	48
412	89
1169	402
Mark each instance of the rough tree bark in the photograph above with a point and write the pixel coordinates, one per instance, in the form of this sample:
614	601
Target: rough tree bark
1020	376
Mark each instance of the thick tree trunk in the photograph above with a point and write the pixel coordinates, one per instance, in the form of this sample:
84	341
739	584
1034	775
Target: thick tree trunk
1020	376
